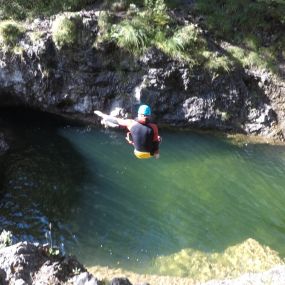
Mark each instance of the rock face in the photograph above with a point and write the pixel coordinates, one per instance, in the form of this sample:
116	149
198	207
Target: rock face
82	78
4	147
3	144
29	264
26	263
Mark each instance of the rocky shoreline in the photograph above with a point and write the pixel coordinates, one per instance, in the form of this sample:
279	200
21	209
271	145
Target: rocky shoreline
33	264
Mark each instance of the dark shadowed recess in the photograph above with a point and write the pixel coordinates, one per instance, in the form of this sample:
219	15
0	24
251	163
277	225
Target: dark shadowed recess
41	175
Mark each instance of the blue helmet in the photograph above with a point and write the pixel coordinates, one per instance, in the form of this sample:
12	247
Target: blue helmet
144	110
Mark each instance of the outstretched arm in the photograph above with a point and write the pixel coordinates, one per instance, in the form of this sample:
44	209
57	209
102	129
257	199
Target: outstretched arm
114	120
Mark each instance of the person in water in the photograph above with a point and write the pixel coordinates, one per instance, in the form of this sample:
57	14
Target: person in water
143	134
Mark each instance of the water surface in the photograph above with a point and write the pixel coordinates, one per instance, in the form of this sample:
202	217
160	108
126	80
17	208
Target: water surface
109	208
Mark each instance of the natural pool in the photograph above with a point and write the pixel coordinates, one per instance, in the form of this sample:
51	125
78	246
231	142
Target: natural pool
109	208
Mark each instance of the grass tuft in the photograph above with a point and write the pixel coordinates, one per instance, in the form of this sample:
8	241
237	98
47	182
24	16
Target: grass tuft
130	37
263	59
183	44
65	31
10	33
21	10
217	64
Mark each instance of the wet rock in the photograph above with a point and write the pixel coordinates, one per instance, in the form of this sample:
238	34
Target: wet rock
154	58
260	119
26	263
85	279
120	281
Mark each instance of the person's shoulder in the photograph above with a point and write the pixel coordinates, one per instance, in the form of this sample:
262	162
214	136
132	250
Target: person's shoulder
130	123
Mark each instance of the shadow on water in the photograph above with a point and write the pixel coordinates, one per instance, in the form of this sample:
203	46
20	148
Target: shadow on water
43	175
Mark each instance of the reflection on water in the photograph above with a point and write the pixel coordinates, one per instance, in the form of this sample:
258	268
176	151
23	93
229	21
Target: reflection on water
110	208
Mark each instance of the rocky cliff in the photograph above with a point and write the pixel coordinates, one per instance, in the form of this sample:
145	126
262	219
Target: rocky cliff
76	80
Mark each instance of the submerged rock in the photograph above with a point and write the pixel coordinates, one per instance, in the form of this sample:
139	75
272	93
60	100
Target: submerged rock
249	256
274	276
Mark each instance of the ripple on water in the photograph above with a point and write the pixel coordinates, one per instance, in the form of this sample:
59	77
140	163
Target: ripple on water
110	208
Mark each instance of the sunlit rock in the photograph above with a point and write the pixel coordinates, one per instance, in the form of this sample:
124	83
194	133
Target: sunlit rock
26	263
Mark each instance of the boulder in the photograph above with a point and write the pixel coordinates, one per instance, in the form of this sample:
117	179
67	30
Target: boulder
29	264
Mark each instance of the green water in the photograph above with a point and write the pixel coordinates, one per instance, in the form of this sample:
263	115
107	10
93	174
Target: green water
109	208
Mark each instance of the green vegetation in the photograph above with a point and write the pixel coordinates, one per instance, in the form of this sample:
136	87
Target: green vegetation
53	251
217	63
151	26
255	29
186	43
251	59
76	271
131	35
10	33
139	31
65	31
35	36
22	9
252	29
5	238
229	18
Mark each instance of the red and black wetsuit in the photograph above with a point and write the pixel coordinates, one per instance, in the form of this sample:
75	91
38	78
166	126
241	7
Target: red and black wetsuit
145	137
